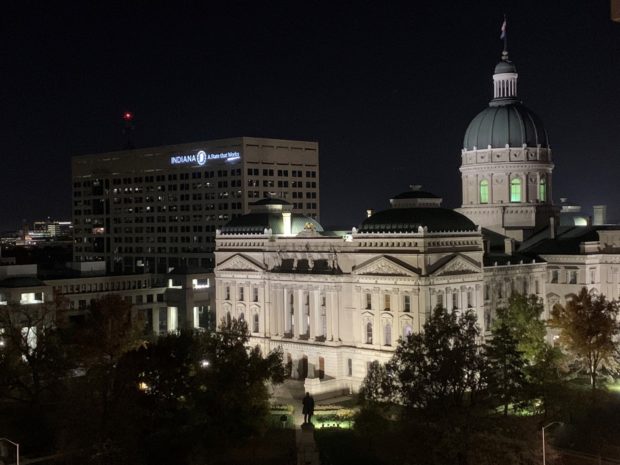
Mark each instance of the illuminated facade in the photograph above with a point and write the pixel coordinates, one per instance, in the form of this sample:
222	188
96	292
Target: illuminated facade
151	210
506	163
335	301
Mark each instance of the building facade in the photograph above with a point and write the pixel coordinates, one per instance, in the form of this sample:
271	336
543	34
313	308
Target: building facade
336	301
151	210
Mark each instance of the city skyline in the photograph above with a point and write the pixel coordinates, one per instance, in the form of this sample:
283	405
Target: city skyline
388	109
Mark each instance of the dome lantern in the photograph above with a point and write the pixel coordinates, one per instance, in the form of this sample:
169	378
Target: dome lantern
505	79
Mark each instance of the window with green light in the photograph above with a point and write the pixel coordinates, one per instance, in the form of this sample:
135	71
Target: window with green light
542	190
484	191
515	190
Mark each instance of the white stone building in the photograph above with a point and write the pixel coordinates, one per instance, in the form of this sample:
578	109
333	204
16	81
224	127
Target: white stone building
335	301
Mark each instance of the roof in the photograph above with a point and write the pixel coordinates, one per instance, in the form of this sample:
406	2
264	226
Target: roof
566	241
416	195
505	66
21	281
256	223
410	219
504	122
270	201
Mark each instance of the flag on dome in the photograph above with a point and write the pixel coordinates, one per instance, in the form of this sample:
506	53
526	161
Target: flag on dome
503	34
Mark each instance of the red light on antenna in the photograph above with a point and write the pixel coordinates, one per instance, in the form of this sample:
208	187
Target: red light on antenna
127	116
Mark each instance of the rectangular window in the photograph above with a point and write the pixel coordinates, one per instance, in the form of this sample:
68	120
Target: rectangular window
350	367
572	279
368	301
241	296
555	274
515	190
386	301
406	303
227	293
255	294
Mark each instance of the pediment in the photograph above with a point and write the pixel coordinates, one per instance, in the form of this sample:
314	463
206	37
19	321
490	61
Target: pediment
239	262
385	266
455	265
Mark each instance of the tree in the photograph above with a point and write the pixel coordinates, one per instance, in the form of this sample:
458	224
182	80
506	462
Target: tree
187	393
376	387
441	364
588	327
504	372
33	361
523	317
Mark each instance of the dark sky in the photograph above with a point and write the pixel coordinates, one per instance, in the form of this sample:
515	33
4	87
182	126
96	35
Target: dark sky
387	88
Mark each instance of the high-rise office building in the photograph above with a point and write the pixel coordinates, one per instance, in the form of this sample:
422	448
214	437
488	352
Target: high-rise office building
154	209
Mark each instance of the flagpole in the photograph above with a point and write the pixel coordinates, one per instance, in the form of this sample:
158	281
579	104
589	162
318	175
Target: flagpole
505	35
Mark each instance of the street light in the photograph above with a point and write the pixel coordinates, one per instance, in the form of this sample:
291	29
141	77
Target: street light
16	448
543	437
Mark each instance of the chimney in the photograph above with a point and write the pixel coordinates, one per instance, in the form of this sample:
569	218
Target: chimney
599	215
509	245
552	227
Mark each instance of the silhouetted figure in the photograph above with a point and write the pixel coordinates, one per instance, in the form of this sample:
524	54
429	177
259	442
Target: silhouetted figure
308	409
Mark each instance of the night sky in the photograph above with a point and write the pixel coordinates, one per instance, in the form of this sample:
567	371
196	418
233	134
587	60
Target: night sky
387	89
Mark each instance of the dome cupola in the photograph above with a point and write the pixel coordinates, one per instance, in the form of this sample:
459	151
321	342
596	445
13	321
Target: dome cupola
506	122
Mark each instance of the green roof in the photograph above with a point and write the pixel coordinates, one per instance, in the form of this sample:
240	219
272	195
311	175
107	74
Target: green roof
505	122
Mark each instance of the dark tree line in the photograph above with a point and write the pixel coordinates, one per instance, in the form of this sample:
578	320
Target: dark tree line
108	394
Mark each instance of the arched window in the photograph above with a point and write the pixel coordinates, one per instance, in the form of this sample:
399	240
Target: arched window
542	190
387	334
484	191
515	190
255	326
369	333
407	331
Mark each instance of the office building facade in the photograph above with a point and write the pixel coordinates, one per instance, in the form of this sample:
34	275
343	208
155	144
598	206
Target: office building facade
152	210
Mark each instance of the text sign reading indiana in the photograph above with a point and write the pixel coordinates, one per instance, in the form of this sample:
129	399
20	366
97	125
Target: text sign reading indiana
202	157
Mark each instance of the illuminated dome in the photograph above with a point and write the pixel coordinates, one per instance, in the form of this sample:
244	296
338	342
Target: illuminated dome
506	121
502	123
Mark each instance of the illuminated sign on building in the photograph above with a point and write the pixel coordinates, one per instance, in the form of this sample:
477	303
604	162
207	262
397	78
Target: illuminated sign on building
202	157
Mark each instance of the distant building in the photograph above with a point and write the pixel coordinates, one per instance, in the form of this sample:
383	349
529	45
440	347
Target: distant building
151	210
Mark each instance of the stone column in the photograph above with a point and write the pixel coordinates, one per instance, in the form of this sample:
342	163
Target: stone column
312	293
155	320
296	315
335	314
328	316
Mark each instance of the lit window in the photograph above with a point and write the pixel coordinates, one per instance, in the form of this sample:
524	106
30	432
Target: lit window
484	191
515	190
387	334
542	190
368	333
407	331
